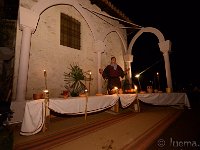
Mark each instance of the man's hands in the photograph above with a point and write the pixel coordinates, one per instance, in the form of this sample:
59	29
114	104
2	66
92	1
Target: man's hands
101	71
127	70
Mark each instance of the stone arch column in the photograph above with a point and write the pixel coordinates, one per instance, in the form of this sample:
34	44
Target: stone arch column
164	45
99	49
128	58
28	27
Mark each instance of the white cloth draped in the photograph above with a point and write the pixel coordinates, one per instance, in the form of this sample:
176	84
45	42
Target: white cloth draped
126	99
165	99
33	117
76	105
34	114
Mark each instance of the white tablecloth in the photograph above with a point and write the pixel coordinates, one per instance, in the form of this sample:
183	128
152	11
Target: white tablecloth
34	114
165	99
76	105
33	120
126	99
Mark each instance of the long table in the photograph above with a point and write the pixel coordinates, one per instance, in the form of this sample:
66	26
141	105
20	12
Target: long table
76	105
34	114
165	99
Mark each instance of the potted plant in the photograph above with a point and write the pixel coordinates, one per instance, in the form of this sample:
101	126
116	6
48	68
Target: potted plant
74	80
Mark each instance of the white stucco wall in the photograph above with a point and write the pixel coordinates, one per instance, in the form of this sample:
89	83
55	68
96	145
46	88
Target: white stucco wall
46	52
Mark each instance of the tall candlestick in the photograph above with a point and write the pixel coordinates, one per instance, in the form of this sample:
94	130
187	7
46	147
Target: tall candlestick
46	101
90	78
45	78
137	104
90	75
86	103
136	91
158	81
116	90
45	73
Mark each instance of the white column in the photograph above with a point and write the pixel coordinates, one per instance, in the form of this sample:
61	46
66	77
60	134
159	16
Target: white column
165	47
128	58
99	84
128	65
99	49
23	64
168	70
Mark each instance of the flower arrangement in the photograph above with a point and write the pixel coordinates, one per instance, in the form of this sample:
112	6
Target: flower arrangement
74	80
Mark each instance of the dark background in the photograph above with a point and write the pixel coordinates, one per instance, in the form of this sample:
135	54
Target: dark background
178	23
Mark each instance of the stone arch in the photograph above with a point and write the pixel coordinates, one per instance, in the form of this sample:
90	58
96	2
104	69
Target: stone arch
164	45
28	20
100	48
155	31
126	57
41	6
120	36
121	50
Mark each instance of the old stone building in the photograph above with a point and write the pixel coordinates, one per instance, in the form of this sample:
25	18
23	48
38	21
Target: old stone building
51	35
100	38
39	48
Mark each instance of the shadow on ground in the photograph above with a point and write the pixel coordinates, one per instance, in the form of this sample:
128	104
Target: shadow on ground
184	133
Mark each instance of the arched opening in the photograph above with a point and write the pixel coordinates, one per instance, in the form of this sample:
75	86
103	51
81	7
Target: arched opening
148	60
164	47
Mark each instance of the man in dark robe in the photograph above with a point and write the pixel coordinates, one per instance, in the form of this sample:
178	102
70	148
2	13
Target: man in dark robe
112	73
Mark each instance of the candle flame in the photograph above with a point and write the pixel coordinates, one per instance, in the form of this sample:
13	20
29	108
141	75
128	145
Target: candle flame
137	75
115	88
45	73
45	91
135	87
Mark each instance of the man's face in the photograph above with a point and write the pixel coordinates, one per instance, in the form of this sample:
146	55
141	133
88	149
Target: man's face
113	60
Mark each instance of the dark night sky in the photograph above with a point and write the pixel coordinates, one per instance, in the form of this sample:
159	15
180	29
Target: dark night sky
178	23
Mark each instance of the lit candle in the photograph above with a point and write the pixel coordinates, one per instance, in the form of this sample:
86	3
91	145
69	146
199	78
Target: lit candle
86	91
135	89
45	78
46	94
116	89
136	104
90	75
158	81
45	91
45	73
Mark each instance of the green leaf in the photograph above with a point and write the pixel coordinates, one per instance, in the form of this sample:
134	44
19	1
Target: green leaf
73	79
